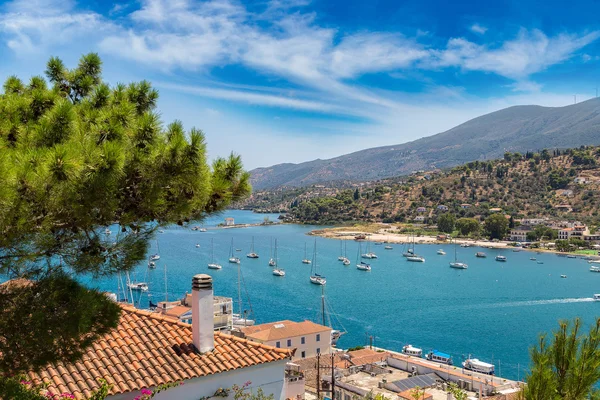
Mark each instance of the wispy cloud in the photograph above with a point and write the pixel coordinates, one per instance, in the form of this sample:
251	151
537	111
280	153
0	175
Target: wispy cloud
480	29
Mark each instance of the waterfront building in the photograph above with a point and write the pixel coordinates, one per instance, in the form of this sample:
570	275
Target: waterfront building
229	221
182	310
307	337
147	349
574	231
519	234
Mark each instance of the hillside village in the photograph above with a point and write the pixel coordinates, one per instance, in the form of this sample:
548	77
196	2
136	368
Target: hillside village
560	187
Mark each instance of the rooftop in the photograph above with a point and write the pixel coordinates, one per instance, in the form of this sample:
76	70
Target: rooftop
148	349
282	330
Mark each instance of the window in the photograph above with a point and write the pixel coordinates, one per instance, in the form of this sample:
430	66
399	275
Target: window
289	343
346	397
302	340
278	344
318	350
303	354
318	337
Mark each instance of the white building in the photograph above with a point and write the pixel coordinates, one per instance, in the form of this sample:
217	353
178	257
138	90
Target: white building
182	310
519	234
147	349
308	338
575	231
229	221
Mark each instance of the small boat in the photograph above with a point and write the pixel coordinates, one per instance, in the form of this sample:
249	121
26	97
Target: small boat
315	277
154	257
412	351
232	258
305	260
533	259
597	296
138	286
107	231
480	254
415	258
475	365
197	245
195	228
151	264
571	256
378	243
238	320
343	255
202	230
408	253
161	231
593	268
369	254
388	247
501	258
276	270
346	262
516	250
252	254
213	264
440	357
441	252
363	266
465	245
272	263
593	261
457	264
563	276
540	262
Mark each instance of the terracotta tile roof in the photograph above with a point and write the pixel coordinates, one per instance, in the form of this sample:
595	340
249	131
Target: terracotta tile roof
285	329
248	330
178	311
148	349
362	357
409	395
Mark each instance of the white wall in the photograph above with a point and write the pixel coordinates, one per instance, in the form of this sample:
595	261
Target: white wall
269	377
309	347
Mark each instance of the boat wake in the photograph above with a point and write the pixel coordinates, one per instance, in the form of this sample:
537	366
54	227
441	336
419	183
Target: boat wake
540	302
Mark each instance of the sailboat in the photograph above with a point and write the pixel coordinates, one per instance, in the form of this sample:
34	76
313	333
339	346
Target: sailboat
232	258
414	257
315	277
369	254
252	254
457	264
137	286
326	320
305	260
272	262
213	264
343	257
361	265
276	270
410	251
241	319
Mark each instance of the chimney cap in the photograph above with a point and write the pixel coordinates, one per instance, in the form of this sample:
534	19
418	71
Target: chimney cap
201	281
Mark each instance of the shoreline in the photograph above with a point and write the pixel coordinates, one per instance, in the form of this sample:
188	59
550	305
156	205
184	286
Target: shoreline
349	233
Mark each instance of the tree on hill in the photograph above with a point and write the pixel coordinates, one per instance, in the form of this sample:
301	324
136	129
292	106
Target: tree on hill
566	366
78	156
467	226
445	223
496	225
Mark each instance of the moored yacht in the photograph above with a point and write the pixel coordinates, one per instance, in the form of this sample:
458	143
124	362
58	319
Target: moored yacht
305	260
363	266
441	252
139	286
480	254
277	271
597	296
501	258
232	258
252	254
457	264
593	268
415	258
440	357
315	277
154	257
388	247
213	264
475	365
409	350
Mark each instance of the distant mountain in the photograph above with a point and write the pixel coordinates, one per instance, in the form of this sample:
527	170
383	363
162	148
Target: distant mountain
519	128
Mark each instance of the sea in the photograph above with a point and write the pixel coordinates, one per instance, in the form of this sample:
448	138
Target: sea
494	311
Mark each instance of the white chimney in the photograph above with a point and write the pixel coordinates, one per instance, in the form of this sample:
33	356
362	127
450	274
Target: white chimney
203	324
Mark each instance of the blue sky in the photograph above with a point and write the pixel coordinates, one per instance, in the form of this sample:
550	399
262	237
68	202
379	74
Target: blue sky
294	80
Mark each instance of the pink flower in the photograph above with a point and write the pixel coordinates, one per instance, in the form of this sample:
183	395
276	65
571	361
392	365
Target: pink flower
25	383
146	392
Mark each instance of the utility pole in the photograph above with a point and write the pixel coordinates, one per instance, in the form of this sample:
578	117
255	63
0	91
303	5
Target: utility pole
318	376
332	376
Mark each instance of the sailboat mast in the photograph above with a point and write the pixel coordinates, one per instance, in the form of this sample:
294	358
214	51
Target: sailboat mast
240	289
323	303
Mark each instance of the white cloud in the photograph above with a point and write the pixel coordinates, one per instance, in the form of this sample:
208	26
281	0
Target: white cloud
530	52
526	86
480	29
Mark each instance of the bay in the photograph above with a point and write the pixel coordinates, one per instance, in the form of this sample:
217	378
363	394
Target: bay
493	310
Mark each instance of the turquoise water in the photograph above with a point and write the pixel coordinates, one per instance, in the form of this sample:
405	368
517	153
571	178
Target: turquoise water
492	310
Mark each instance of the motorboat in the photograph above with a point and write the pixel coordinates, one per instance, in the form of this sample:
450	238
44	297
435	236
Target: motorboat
388	247
571	256
501	258
202	230
441	252
475	365
278	272
594	268
465	245
346	262
458	265
154	257
107	231
563	276
415	258
480	254
197	245
138	286
317	279
363	266
597	296
409	350
214	266
439	357
151	264
533	258
238	320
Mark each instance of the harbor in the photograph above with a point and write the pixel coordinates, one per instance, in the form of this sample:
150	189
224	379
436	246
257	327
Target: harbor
397	303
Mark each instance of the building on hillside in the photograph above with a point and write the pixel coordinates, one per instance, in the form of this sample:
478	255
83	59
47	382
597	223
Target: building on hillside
182	310
421	209
229	221
419	218
575	231
519	234
307	337
592	237
495	210
464	206
564	207
564	192
148	349
533	221
580	180
442	207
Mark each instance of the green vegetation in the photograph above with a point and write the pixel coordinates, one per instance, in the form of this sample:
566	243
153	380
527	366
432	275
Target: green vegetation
446	223
496	226
468	226
566	366
77	156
